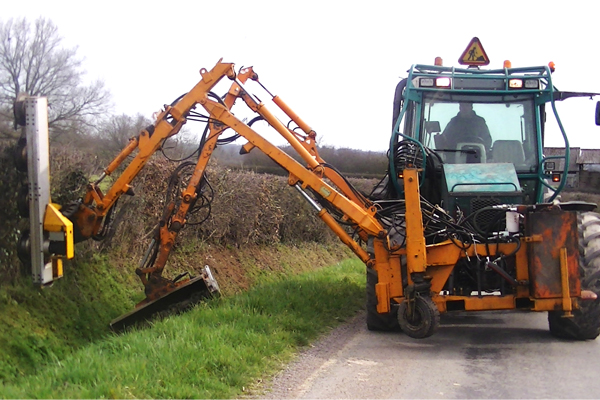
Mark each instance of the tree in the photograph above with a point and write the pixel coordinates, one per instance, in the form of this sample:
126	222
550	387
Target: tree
33	61
113	134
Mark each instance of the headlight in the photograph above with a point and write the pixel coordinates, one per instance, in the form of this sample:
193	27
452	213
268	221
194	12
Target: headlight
442	82
523	83
532	84
426	82
515	83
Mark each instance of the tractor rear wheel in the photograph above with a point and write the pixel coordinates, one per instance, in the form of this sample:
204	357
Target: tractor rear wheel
585	323
419	319
376	321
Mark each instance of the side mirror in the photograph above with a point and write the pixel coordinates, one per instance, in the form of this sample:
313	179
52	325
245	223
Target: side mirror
598	113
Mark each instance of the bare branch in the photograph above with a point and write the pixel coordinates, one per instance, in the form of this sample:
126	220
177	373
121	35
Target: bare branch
32	60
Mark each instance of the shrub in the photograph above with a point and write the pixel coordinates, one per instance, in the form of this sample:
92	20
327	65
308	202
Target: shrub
247	208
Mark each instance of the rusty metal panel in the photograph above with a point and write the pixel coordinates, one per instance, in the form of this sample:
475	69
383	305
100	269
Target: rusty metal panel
558	229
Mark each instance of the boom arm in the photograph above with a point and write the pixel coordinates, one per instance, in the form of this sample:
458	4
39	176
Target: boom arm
94	211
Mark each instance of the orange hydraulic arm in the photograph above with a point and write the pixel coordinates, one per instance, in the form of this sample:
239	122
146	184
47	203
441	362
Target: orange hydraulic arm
174	219
93	212
308	142
89	217
309	177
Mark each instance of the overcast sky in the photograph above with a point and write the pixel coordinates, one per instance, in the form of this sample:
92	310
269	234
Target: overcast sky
336	63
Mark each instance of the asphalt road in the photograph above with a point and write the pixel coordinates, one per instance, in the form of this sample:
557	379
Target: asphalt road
481	355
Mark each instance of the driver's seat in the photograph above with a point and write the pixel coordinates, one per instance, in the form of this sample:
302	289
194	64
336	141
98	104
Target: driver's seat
471	153
508	151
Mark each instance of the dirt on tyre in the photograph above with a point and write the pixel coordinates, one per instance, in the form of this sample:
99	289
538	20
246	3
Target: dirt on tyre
375	321
585	323
419	318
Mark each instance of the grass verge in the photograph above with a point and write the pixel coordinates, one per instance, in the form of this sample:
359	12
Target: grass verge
214	351
40	325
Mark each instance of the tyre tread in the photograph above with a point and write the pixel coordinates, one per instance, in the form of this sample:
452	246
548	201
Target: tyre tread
585	323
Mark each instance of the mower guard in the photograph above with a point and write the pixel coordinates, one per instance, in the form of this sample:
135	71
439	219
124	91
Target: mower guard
180	299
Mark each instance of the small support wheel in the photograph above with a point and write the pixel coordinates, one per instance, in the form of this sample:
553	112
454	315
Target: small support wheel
419	318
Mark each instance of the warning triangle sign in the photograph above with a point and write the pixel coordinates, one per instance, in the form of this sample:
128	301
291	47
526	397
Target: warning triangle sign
474	54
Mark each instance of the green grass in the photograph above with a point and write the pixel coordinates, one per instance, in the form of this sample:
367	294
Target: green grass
40	325
213	351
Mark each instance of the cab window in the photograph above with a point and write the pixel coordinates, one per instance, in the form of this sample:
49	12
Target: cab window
467	130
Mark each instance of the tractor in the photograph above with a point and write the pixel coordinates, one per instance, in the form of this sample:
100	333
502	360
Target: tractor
467	217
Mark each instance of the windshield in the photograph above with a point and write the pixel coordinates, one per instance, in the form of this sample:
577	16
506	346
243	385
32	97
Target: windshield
481	132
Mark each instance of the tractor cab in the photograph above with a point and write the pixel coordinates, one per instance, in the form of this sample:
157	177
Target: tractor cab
476	135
